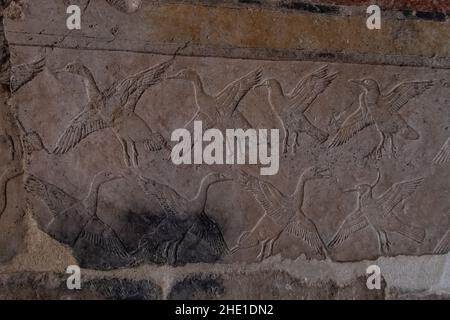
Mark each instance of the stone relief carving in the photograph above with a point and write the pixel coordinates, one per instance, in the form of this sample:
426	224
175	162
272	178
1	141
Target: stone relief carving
381	110
443	155
19	75
115	108
221	110
380	214
7	175
282	213
180	231
291	108
183	219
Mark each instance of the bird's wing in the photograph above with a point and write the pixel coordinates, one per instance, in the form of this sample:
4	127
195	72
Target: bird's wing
443	155
23	73
402	93
398	193
55	198
126	6
209	231
354	222
170	202
310	87
82	125
443	246
268	196
228	99
305	230
131	88
356	122
99	234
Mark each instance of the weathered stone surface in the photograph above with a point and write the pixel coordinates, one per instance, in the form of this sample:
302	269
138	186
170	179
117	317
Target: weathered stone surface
87	117
52	286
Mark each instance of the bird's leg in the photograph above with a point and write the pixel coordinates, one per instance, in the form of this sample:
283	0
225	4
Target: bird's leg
270	245
126	155
175	251
295	143
385	241
380	245
135	154
12	149
286	141
260	256
393	147
377	152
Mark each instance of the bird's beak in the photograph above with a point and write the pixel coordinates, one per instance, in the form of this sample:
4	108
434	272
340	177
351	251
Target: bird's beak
349	190
60	70
171	77
355	81
325	173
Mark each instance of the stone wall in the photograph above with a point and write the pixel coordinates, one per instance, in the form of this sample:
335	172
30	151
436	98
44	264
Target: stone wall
87	178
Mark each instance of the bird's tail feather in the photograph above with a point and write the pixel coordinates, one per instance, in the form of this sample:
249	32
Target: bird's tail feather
414	233
444	245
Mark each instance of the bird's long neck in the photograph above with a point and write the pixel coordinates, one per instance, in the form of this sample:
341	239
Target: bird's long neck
372	96
199	201
299	192
90	202
276	95
4	179
89	83
199	90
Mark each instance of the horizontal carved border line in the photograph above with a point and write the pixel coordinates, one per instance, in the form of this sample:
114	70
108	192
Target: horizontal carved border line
143	47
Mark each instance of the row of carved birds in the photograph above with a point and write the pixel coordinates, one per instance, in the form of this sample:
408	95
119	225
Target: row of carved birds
188	214
284	214
115	108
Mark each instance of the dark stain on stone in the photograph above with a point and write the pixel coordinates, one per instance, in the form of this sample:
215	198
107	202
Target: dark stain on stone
433	16
315	8
198	286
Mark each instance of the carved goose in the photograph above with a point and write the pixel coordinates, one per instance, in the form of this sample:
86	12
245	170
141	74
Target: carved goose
282	213
9	174
382	110
21	74
291	108
221	110
115	108
182	210
379	213
75	220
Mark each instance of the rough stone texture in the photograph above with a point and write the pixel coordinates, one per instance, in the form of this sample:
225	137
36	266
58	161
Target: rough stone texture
86	180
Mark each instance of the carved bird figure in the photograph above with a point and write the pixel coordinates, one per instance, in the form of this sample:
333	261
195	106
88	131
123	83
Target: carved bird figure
220	111
115	108
379	214
282	213
76	220
20	75
443	155
188	215
290	108
382	110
